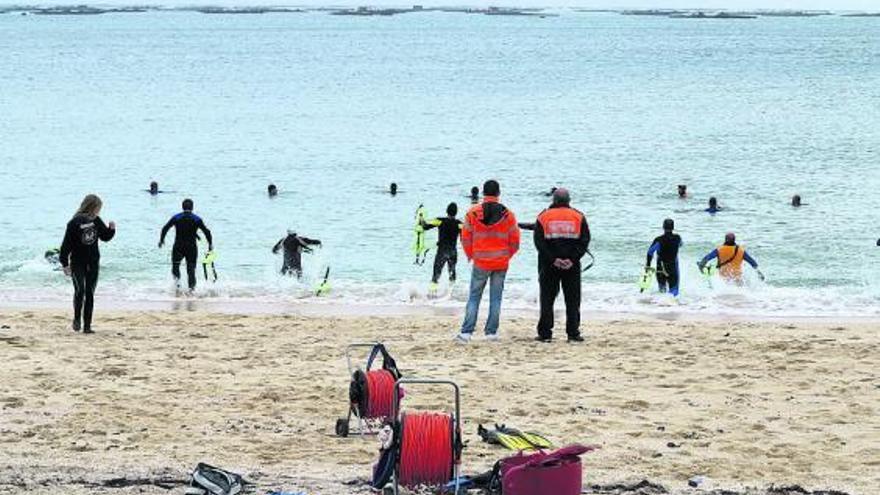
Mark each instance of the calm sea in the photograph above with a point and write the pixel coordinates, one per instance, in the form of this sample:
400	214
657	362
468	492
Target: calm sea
332	109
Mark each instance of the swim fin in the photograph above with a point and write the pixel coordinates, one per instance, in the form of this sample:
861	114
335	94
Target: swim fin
645	281
537	440
513	439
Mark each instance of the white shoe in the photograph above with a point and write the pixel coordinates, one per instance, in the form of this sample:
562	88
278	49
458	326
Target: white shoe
462	338
494	337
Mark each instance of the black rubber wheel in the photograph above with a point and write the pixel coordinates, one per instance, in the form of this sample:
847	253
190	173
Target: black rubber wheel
342	427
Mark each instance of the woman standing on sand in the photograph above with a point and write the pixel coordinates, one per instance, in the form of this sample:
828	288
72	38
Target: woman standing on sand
80	257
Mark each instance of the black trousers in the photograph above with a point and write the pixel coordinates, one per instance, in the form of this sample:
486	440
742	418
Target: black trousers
445	256
190	254
551	279
85	279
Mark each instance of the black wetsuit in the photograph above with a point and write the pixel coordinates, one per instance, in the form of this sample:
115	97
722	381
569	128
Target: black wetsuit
666	247
79	250
186	224
448	230
294	246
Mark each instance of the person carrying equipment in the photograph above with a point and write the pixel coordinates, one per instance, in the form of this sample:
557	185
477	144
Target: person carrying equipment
490	237
562	237
448	230
730	258
294	246
186	225
666	248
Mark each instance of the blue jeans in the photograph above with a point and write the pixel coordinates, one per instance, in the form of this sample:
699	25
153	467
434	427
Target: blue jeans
496	289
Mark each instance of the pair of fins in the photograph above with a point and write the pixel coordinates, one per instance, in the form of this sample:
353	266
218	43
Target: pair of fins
513	438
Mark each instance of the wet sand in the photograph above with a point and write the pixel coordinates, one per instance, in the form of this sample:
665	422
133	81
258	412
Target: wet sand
134	407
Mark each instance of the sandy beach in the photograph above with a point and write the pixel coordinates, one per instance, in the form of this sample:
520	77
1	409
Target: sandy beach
133	408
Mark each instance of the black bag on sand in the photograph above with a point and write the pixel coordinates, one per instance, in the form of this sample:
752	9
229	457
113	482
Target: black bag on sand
209	480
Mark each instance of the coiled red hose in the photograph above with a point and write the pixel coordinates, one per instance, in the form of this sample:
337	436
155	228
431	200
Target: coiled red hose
426	449
380	393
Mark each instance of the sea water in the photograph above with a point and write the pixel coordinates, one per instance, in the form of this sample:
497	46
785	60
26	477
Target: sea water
332	109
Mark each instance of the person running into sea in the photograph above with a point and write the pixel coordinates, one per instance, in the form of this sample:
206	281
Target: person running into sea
448	230
490	238
562	238
294	246
80	257
186	225
666	248
730	257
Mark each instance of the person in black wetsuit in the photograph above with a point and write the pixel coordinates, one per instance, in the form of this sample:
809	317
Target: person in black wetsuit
186	224
80	258
666	248
682	191
272	190
475	195
294	246
448	231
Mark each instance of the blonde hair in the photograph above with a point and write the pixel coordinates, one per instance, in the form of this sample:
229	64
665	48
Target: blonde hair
90	206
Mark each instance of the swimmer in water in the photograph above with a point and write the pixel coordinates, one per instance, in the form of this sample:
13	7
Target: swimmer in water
154	188
475	195
392	190
682	191
796	201
272	190
713	206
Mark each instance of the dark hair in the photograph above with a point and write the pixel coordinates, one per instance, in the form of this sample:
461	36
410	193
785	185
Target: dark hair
713	201
491	188
154	186
187	204
452	209
669	224
475	191
393	187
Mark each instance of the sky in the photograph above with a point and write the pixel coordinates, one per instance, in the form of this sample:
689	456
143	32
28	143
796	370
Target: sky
868	5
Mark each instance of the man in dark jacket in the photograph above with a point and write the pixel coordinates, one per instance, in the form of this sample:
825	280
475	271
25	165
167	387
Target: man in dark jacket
562	238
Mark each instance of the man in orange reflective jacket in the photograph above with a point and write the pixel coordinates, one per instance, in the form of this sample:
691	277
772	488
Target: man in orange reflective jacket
562	238
489	237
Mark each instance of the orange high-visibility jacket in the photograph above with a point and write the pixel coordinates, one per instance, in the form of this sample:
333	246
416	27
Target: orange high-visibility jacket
489	246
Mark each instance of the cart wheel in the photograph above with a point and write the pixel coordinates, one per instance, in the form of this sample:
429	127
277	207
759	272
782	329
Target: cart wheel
342	427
